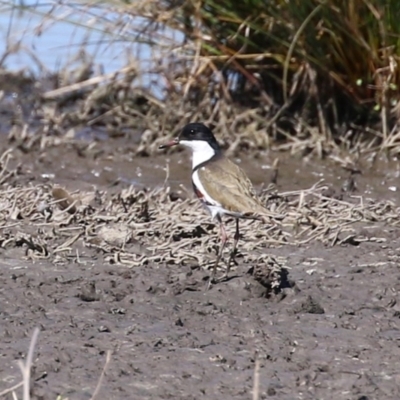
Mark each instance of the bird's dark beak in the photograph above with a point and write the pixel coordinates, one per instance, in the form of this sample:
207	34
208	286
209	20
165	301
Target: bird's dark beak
173	142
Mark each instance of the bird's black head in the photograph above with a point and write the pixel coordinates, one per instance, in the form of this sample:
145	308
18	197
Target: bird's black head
191	135
199	132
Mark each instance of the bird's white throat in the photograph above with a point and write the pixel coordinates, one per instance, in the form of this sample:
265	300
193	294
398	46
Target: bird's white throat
201	151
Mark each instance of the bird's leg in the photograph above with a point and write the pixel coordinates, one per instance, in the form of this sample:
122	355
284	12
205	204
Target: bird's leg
224	238
233	253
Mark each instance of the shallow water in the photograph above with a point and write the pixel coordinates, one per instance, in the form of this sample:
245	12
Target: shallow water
46	44
55	45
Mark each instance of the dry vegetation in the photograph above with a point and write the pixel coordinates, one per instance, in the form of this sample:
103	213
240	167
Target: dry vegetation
311	75
135	227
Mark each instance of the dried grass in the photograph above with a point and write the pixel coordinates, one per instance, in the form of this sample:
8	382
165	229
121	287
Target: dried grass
254	98
26	373
133	227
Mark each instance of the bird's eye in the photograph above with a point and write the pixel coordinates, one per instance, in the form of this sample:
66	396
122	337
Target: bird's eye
192	131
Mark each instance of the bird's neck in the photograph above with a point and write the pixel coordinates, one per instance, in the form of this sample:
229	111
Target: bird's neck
202	151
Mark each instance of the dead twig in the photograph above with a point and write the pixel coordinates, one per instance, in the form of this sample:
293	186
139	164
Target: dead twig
256	379
25	370
97	390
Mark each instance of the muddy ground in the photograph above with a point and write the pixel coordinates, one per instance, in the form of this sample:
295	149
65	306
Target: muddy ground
333	334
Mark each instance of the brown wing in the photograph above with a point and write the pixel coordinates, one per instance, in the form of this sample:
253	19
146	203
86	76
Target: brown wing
228	184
